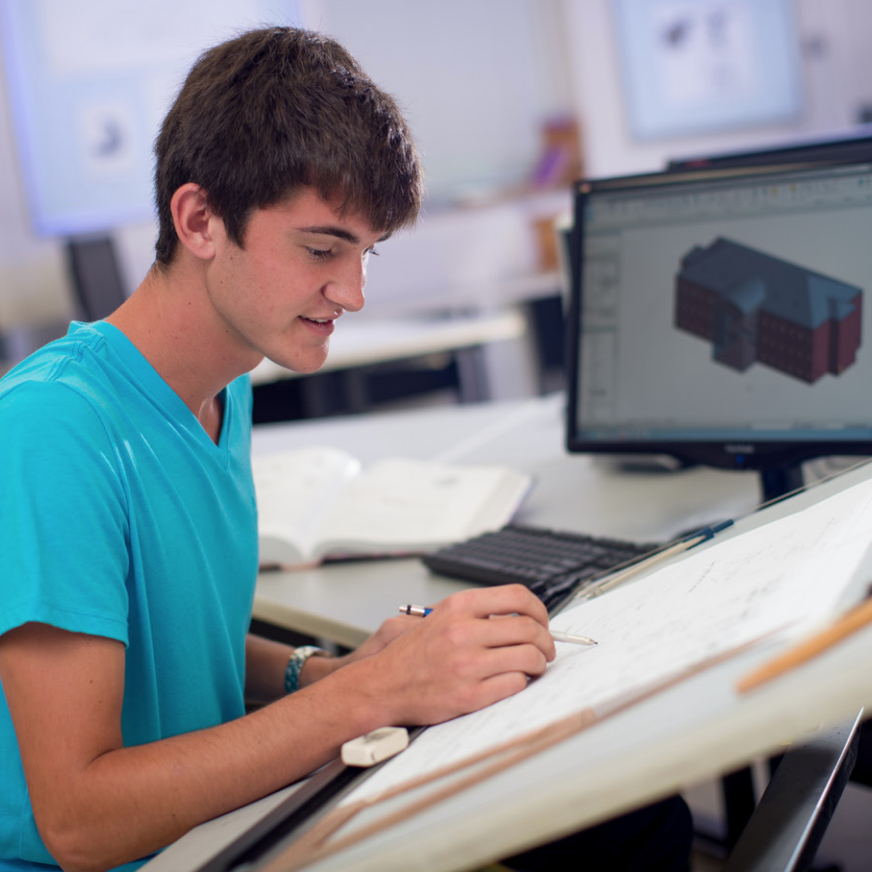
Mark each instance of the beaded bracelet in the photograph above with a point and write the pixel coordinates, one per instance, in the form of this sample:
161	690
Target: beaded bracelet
296	663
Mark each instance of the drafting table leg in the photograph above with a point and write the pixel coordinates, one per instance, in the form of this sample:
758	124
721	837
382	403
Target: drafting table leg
737	790
786	829
472	372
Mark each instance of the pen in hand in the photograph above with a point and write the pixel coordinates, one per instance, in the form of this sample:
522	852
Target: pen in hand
556	635
575	639
415	611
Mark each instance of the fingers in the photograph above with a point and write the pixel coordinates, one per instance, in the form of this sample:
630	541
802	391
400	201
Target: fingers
485	653
390	629
507	599
474	648
501	631
527	660
499	687
393	627
495	674
504	615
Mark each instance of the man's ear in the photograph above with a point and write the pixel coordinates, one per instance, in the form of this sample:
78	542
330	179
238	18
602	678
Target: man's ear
195	221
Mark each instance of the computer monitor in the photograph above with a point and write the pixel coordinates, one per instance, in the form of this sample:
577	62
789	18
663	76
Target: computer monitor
718	316
854	144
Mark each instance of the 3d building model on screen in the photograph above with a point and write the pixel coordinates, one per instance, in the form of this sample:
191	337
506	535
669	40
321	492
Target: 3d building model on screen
755	307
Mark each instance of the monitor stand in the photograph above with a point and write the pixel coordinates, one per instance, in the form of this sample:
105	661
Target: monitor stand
778	483
737	788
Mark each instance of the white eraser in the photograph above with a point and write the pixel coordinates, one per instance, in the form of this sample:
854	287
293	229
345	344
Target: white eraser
373	747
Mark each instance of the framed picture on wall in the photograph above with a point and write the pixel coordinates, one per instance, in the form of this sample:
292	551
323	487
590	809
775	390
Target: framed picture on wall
696	66
88	86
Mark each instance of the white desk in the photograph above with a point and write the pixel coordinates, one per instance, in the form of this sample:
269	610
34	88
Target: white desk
364	341
695	730
346	602
377	340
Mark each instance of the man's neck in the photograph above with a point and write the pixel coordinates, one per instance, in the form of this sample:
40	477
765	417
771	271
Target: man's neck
167	318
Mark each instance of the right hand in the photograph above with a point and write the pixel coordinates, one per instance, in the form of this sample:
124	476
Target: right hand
475	648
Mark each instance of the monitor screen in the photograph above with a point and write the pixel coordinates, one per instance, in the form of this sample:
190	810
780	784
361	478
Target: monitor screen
724	316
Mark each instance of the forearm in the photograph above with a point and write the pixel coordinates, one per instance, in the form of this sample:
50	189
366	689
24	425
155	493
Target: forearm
130	802
266	662
99	804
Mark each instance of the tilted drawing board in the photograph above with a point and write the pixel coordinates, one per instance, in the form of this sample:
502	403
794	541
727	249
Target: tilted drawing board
778	575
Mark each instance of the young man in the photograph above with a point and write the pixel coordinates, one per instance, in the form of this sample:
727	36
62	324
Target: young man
128	515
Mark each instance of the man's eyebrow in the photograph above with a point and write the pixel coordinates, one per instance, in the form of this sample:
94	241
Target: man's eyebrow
339	233
329	230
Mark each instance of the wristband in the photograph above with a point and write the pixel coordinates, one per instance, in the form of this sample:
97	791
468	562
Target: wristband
296	663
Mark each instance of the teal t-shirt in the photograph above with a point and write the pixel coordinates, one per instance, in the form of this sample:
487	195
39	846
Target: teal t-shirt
121	518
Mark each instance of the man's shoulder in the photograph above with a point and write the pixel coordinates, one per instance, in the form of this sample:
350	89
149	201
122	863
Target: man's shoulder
55	360
58	383
83	362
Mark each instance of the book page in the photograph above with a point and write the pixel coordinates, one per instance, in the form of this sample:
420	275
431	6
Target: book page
420	504
777	578
294	492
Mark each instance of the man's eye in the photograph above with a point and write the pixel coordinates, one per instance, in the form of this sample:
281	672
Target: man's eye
371	251
321	253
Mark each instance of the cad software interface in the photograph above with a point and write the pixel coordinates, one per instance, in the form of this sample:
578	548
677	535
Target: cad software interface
728	309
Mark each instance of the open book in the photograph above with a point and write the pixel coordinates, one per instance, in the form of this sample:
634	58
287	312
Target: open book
319	503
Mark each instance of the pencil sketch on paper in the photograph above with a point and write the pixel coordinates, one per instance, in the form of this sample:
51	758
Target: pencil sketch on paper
704	605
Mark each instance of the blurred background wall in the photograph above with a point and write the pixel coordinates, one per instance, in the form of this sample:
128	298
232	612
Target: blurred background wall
510	99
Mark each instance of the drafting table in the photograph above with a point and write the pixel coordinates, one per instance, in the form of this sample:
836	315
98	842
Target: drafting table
344	603
692	731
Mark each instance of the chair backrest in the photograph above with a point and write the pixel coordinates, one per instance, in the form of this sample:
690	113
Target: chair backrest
97	280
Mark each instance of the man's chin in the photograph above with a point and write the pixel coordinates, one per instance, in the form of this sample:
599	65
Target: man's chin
305	366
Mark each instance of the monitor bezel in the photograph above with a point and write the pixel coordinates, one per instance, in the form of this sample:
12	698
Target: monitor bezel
753	454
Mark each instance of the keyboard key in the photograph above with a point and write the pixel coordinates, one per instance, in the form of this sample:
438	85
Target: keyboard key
552	563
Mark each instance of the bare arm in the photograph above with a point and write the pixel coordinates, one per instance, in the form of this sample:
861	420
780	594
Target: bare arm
265	664
98	804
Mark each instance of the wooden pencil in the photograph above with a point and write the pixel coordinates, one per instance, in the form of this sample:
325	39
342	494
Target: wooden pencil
853	620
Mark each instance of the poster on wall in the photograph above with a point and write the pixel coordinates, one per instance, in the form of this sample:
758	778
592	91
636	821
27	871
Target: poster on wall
692	67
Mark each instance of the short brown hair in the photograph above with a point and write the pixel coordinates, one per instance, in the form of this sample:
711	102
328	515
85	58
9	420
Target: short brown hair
275	110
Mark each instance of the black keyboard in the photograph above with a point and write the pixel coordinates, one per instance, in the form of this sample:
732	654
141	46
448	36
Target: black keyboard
553	564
